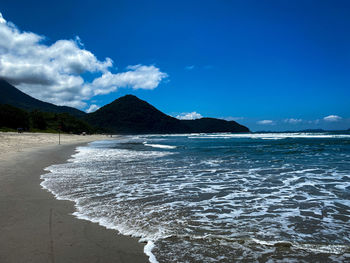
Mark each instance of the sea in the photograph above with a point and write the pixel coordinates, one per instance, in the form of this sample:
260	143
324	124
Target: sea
255	197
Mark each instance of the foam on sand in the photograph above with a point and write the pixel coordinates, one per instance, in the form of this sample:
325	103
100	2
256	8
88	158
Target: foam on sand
148	251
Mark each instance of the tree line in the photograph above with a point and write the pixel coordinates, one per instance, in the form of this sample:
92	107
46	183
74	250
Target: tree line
12	118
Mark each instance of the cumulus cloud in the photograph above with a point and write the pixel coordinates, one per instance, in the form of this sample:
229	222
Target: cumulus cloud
92	108
266	122
54	73
189	116
332	118
293	121
138	77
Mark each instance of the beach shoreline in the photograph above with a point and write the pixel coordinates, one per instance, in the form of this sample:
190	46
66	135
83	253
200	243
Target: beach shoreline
36	227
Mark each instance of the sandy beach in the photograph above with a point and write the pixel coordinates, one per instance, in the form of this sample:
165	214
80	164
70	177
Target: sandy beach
34	226
12	142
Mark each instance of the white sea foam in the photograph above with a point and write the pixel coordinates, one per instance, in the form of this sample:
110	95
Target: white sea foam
320	248
90	155
162	146
148	251
268	136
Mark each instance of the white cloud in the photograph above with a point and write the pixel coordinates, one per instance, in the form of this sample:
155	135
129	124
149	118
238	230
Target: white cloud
332	118
138	77
189	116
2	20
293	121
92	108
53	73
266	122
190	67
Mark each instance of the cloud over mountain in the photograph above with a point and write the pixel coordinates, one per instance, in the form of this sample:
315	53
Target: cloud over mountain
54	73
92	108
189	116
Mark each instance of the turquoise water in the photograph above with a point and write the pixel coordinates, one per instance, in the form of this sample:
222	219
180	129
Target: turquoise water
217	197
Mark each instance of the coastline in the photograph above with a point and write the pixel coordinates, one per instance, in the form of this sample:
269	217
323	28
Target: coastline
35	227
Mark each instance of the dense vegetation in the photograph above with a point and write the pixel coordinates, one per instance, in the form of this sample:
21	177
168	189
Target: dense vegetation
14	118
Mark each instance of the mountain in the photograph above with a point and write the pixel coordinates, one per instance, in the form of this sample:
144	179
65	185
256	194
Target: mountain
126	115
130	115
208	125
12	96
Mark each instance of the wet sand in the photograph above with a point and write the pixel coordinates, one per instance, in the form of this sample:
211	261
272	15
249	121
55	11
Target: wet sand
35	227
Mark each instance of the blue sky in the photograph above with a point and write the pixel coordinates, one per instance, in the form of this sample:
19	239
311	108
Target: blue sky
271	65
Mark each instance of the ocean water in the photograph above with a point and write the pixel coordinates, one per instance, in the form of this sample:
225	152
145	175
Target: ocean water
279	197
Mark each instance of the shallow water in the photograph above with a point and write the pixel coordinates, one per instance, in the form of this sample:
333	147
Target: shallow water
217	197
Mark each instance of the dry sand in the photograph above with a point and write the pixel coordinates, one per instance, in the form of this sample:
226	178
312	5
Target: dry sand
34	226
12	142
